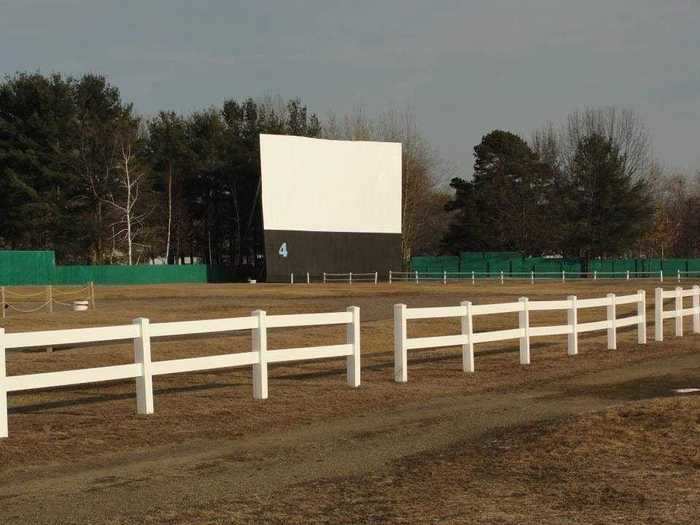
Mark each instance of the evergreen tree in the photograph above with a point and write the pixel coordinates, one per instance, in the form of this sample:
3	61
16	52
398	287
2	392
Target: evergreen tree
606	209
507	204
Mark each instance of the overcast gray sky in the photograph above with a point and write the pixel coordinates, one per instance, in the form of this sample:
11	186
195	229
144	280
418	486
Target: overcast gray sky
465	67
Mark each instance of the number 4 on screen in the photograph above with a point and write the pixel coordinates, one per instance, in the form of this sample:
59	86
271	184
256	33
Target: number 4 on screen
283	250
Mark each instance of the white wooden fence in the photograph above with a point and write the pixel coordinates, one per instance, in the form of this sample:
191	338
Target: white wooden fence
141	332
524	332
678	312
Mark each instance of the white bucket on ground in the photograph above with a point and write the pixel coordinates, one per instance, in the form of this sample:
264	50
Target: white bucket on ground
80	306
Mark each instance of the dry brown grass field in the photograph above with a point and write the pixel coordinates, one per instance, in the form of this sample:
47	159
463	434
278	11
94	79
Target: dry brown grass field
601	437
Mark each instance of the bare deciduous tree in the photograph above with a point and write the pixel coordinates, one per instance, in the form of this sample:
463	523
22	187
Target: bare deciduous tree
131	176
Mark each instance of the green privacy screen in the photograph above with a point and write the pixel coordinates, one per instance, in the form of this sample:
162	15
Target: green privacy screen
139	274
22	268
511	263
25	267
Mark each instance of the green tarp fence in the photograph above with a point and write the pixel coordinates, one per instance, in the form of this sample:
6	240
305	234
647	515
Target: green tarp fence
26	268
491	264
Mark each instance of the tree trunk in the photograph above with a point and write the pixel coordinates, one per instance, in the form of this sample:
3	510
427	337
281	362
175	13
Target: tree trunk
170	212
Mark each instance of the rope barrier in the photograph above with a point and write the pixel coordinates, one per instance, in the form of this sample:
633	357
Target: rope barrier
12	307
70	292
24	296
49	297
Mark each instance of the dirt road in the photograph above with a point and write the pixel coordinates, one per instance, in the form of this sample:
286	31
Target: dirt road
202	480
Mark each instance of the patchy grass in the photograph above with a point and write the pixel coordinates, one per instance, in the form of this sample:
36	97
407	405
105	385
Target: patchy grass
634	464
637	462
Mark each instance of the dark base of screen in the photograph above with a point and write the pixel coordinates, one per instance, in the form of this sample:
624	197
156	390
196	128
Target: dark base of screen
299	252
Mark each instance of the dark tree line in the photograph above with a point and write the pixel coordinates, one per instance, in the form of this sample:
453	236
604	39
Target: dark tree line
82	174
587	190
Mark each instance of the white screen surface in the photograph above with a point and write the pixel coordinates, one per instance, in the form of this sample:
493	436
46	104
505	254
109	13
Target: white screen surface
330	185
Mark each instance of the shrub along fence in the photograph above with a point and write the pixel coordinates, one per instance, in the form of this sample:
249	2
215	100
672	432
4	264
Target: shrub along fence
141	332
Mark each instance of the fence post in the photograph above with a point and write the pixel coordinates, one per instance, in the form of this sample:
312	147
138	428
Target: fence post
353	338
400	351
389	276
595	275
532	277
142	355
696	309
291	278
467	331
92	294
350	278
679	275
49	297
444	277
524	325
563	276
473	280
612	322
416	276
324	277
572	320
376	277
659	314
642	314
628	275
2	300
679	311
3	387
260	346
661	276
308	278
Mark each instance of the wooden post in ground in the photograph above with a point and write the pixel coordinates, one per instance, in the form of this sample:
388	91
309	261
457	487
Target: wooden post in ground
612	322
467	333
572	321
659	314
92	295
260	346
524	325
679	311
3	387
352	337
400	352
696	309
642	314
142	356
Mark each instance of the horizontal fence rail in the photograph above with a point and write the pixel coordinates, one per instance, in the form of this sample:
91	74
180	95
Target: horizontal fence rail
678	296
351	277
467	311
142	332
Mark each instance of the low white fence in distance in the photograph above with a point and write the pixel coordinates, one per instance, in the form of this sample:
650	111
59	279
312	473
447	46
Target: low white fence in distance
141	332
678	312
351	277
524	332
503	276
